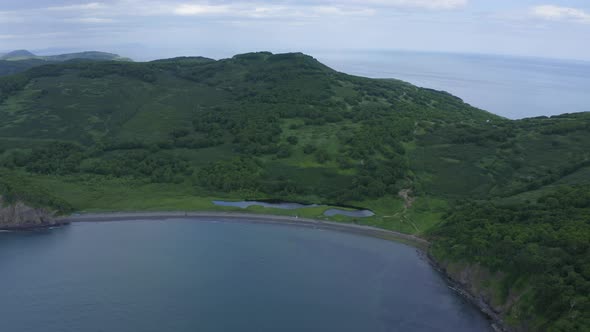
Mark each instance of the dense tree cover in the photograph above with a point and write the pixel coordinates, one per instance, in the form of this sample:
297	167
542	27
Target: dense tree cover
235	174
90	69
546	242
141	164
61	158
14	67
58	158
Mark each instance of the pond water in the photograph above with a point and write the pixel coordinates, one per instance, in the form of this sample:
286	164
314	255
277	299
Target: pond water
281	205
354	213
217	275
293	206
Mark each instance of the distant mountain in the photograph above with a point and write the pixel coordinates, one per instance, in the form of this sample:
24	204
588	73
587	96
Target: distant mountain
91	55
21	60
18	55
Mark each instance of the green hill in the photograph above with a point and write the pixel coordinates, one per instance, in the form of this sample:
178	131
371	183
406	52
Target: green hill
8	67
21	60
175	134
17	55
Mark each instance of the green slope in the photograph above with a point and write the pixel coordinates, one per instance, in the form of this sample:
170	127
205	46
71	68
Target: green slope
177	133
8	67
21	60
314	133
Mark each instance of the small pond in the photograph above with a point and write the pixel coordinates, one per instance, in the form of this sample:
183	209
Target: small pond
349	213
281	205
293	206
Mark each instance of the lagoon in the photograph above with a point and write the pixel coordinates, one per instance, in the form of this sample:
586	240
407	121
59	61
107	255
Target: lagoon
355	213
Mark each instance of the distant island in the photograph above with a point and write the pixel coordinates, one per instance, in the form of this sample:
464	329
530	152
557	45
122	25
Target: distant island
504	203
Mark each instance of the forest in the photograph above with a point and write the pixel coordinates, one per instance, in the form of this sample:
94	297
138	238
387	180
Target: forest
542	246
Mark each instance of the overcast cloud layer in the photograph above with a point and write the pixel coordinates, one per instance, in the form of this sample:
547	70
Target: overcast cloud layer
146	29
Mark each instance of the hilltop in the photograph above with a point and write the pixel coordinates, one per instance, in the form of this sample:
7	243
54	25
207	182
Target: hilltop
89	55
21	60
174	134
17	55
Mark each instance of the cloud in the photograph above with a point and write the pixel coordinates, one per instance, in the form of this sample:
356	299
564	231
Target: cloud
415	4
10	17
557	13
91	20
261	10
197	9
94	11
79	7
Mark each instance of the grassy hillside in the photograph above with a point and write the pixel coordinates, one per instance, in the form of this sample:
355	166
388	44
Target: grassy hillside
21	60
254	126
175	134
280	126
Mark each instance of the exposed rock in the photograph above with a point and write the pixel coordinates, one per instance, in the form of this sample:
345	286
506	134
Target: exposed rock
21	216
467	281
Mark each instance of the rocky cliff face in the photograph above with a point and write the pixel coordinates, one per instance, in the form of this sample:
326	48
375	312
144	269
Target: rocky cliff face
473	282
21	216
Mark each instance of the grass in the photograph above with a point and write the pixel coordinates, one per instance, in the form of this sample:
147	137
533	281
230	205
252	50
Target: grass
100	194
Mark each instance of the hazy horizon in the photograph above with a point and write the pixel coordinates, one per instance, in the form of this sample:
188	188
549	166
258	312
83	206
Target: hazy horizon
150	29
224	54
514	87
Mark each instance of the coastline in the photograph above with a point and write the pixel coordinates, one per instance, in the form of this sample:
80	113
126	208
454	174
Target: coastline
497	323
249	218
419	243
32	227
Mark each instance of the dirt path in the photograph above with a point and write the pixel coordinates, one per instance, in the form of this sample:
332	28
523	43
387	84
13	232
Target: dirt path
406	194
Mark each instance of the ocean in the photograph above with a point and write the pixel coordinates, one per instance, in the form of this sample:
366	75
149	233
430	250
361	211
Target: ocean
513	87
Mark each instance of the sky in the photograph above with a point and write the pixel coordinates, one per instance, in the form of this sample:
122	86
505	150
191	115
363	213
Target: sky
149	29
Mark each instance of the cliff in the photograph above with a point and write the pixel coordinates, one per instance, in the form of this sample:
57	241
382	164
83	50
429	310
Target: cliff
18	215
480	286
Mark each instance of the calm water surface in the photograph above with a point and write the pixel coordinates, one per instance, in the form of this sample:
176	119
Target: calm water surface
246	204
294	206
514	87
182	275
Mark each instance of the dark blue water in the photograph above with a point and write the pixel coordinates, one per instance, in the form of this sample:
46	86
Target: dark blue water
514	87
217	276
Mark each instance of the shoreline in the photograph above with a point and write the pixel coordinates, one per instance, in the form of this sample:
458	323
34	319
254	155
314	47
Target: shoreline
249	218
497	323
32	227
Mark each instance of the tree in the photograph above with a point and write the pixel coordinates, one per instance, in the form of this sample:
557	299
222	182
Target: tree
293	140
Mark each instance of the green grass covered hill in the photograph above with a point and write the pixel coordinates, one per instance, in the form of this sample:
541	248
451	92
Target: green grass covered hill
21	60
175	134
